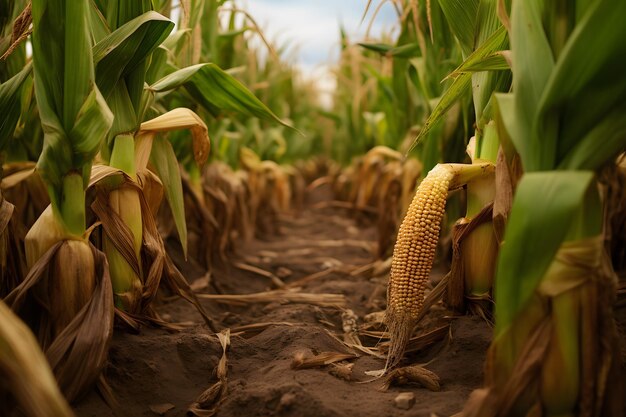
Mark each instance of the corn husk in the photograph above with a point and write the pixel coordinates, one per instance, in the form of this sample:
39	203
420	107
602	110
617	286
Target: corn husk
26	375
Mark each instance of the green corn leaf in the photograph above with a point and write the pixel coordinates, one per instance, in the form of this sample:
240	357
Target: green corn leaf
497	42
588	82
119	12
484	84
532	65
461	16
599	145
128	47
158	67
99	26
544	207
492	62
230	34
10	97
74	116
463	78
65	103
410	50
214	88
381	48
163	159
505	104
460	87
176	42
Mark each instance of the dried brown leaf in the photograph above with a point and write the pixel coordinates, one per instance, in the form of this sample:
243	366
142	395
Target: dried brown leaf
279	296
412	374
25	373
301	361
79	352
207	403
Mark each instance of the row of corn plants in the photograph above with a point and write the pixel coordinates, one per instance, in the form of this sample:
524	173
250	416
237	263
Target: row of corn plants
110	117
548	105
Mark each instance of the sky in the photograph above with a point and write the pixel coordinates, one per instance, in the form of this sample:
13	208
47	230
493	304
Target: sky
311	30
311	27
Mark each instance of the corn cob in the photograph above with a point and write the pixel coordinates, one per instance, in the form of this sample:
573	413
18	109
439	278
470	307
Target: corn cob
415	247
413	256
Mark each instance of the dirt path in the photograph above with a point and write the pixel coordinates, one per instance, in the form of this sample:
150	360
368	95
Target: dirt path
159	372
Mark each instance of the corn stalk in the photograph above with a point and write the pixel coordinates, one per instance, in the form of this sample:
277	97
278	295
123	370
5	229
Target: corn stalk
554	349
67	288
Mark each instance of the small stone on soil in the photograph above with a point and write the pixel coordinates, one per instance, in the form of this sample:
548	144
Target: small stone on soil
286	401
404	400
161	409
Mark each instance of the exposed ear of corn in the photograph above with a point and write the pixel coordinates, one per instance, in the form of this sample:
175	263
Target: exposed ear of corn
414	251
413	257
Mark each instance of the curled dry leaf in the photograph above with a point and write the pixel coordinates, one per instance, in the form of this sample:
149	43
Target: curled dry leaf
24	372
156	264
11	254
207	403
177	119
415	373
456	291
342	370
302	361
279	296
78	352
21	30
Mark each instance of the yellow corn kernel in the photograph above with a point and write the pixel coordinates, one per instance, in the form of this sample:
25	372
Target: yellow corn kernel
413	257
415	247
414	251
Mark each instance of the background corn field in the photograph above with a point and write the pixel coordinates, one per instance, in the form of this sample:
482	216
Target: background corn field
187	229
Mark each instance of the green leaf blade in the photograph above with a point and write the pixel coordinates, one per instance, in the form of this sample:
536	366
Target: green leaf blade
163	159
544	207
215	88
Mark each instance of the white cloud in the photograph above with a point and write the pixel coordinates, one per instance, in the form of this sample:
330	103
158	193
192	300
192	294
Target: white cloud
311	28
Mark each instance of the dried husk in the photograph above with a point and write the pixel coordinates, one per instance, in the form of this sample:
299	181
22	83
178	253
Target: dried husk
24	188
77	351
464	257
27	384
153	264
411	374
207	403
11	254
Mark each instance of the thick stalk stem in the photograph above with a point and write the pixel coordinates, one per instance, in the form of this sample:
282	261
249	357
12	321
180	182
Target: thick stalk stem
72	205
479	248
125	202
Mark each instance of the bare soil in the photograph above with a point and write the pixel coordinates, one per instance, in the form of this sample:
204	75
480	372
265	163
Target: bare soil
159	372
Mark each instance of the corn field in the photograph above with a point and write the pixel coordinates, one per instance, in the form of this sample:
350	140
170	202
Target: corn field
186	229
